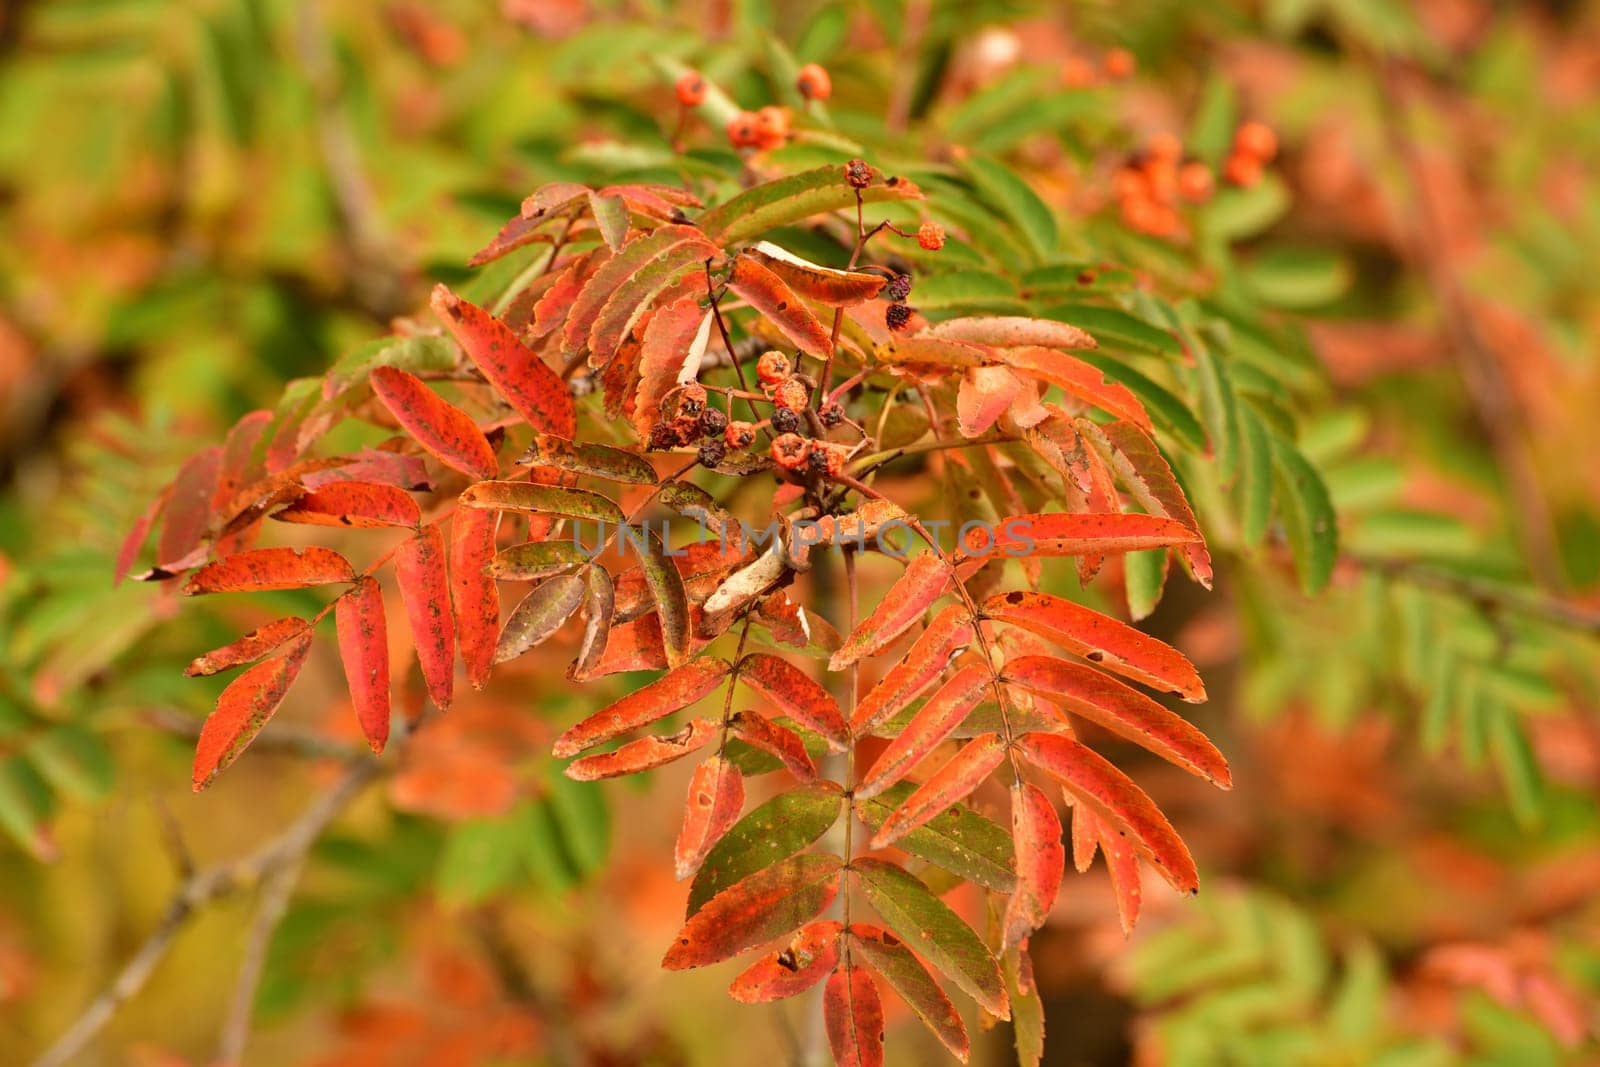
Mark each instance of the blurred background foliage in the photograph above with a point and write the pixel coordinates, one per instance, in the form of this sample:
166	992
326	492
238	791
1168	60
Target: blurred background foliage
201	202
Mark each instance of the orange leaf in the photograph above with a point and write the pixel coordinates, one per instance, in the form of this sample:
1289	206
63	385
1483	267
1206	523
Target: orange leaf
1122	864
1085	837
243	709
517	373
959	776
924	581
1011	331
758	731
1109	643
1133	454
473	592
1124	711
634	295
645	754
259	569
716	797
364	648
793	969
766	905
419	568
674	343
611	275
1078	379
447	432
1117	800
354	504
772	297
545	204
983	396
836	288
1041	860
1062	534
673	691
924	661
852	1013
249	648
932	723
555	303
796	695
936	351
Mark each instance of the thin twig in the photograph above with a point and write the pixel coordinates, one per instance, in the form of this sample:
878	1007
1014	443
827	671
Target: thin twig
1486	594
276	890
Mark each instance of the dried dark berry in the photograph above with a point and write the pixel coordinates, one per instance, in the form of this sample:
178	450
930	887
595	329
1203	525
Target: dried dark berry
712	422
712	452
662	437
832	413
898	288
785	420
857	174
898	317
817	461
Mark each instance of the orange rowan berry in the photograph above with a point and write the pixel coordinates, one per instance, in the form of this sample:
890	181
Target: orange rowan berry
930	235
744	130
739	435
691	89
1165	146
791	394
1162	176
790	451
1195	183
1119	63
773	367
1130	182
1256	139
828	457
1077	73
813	82
772	127
1242	170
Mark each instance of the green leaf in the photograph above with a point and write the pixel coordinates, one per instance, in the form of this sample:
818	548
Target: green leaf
417	355
1298	279
480	858
768	833
1219	408
959	839
582	820
1166	410
933	931
790	199
966	289
1016	200
74	761
1518	767
1254	490
1308	516
26	805
1144	579
1115	328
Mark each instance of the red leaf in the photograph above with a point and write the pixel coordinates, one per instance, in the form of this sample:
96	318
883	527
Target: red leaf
447	432
1041	860
959	776
1144	471
836	288
924	661
1122	864
852	1012
1085	837
628	303
673	691
796	695
555	303
1109	643
758	731
1124	711
354	504
249	648
532	389
1117	800
674	342
932	723
137	533
1011	331
364	647
270	568
473	591
188	511
239	465
772	297
545	204
645	754
812	953
766	905
1078	379
716	797
924	581
983	396
1062	534
604	282
419	568
243	709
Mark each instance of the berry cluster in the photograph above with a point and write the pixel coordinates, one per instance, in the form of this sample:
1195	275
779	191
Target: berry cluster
1117	64
768	127
1254	146
1150	186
